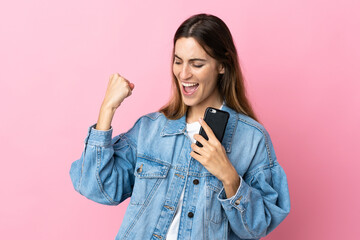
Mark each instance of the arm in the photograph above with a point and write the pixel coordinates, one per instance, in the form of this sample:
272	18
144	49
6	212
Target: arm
261	200
104	173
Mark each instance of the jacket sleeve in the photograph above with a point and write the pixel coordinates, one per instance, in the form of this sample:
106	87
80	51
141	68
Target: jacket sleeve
262	200
105	171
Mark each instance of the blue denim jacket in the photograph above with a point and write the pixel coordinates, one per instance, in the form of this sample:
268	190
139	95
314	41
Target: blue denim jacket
151	163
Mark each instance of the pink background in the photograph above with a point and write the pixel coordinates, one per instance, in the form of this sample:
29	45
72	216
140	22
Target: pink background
301	63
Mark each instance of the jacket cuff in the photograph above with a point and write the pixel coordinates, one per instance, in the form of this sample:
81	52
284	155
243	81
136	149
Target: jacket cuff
238	200
98	137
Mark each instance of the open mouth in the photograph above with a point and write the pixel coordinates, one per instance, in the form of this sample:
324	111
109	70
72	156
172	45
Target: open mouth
189	88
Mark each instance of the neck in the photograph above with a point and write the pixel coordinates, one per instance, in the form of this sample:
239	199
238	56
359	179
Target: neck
197	111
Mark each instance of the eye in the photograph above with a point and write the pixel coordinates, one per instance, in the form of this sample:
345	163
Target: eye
198	66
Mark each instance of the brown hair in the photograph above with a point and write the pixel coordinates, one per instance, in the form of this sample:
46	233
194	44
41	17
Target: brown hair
215	38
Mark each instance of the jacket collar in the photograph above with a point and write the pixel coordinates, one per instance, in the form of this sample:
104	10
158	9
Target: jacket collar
178	126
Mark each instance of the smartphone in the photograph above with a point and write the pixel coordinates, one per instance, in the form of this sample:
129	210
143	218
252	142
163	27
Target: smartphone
217	120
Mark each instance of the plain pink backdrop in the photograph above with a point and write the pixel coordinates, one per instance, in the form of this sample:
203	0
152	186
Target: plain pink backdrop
301	64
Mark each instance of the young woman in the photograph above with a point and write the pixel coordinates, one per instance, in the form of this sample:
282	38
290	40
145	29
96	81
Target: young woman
234	189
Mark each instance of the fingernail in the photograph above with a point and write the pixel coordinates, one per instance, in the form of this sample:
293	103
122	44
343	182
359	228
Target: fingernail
200	119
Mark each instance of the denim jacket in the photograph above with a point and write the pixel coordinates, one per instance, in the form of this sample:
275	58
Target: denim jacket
151	163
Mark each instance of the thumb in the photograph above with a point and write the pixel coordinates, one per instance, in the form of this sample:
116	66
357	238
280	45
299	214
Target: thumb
131	85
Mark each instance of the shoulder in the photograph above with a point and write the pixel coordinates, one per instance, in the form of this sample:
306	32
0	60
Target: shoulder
151	119
153	115
255	134
240	123
144	125
247	123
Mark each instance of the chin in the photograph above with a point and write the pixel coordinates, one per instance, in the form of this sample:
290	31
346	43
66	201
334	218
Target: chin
190	103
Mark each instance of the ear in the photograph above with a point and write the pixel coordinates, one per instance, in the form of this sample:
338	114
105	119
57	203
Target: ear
221	68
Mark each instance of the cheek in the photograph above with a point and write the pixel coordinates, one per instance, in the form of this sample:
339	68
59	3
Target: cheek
174	70
205	75
207	81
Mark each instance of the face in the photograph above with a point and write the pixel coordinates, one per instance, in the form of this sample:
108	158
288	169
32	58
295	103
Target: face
196	73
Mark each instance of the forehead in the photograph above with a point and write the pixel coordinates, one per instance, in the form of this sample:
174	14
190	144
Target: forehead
189	48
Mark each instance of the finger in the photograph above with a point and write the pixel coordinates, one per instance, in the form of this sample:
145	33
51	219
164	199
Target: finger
130	92
202	140
125	79
197	157
209	132
198	150
132	86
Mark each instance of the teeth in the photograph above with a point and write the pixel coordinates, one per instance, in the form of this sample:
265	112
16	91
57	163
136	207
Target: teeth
189	84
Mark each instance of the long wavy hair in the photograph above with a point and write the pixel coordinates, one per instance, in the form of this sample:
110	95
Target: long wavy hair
215	38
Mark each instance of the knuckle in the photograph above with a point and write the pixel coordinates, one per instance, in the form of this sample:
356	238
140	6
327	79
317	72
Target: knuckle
115	76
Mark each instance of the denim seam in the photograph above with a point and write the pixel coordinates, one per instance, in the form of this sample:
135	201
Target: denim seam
134	221
99	143
185	195
225	228
211	186
98	160
158	114
221	215
271	174
175	210
153	159
252	173
129	141
266	138
205	227
144	206
155	187
245	223
245	196
234	127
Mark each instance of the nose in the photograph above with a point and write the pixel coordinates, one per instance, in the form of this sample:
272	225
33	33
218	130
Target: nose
185	72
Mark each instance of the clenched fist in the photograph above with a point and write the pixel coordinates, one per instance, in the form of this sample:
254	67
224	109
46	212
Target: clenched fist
118	89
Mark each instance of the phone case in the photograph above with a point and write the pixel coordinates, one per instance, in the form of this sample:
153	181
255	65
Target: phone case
217	120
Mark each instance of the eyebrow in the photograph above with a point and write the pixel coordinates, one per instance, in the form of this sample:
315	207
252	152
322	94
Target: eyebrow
192	59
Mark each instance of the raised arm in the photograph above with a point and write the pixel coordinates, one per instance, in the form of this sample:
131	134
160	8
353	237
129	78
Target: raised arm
104	172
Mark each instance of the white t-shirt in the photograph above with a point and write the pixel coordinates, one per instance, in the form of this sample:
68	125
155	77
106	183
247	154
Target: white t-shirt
191	129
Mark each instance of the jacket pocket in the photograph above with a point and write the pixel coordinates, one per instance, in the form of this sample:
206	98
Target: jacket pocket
149	173
214	211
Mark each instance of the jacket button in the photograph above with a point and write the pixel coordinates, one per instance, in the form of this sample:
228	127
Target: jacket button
139	170
237	202
190	214
196	181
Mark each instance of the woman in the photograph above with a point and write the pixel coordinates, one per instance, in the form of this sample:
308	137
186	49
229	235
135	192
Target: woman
235	189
